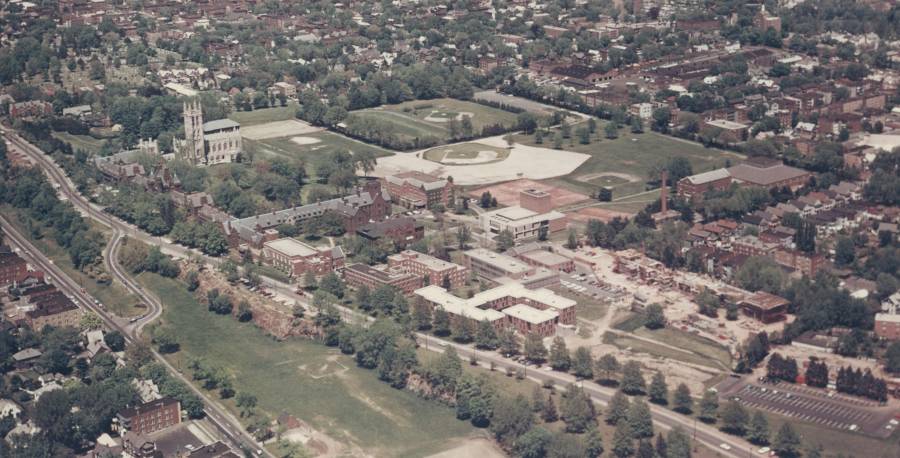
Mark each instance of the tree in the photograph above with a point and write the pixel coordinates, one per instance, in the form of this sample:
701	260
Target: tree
114	340
618	408
633	379
682	402
486	336
817	373
577	410
611	130
535	351
662	447
463	235
309	281
505	240
640	420
441	322
560	360
509	342
655	318
659	390
593	444
165	340
607	365
511	419
572	240
679	443
246	402
758	432
709	407
461	329
623	441
734	418
787	442
637	127
421	315
533	443
844	251
549	413
537	399
583	363
805	236
892	358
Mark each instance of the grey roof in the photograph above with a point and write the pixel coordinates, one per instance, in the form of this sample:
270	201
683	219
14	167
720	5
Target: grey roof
749	173
707	177
248	228
27	354
219	124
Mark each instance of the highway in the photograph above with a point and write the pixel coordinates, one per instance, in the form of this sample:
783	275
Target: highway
725	445
229	428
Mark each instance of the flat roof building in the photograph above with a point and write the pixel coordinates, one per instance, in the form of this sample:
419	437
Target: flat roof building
533	215
296	258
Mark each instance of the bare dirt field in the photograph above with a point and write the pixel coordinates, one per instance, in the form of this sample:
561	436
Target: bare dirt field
480	447
508	193
523	162
602	214
278	129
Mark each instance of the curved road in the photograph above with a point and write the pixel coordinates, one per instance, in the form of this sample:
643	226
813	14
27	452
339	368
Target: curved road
229	427
664	418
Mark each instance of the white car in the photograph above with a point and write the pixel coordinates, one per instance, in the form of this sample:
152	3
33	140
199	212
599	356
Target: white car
764	450
724	446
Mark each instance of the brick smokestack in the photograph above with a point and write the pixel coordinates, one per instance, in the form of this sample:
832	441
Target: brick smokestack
664	191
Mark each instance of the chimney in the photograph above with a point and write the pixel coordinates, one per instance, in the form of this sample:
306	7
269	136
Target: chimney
664	192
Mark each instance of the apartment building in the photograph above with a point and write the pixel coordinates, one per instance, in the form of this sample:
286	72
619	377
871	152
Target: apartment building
296	258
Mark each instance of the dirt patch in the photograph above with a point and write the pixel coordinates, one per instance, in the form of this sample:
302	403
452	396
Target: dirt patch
602	214
588	178
480	447
508	193
278	129
305	140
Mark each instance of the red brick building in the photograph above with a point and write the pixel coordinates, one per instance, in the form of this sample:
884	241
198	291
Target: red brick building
434	270
150	417
765	307
693	187
12	268
296	258
357	275
418	190
402	231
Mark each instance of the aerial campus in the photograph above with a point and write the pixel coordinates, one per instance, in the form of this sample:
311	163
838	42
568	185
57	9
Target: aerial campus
483	228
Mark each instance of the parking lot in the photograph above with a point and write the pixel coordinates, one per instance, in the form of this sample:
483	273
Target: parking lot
817	406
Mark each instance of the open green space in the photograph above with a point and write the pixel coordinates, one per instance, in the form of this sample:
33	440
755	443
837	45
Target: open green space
313	382
589	308
430	118
608	180
658	350
82	142
836	442
690	342
264	115
311	153
633	154
114	297
469	150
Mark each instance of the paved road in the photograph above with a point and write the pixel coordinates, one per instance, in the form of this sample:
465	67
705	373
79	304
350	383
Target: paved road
703	434
229	427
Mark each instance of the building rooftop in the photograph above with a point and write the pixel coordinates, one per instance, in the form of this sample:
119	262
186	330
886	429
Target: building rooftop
765	175
766	301
708	177
502	262
530	314
219	124
545	257
146	407
291	247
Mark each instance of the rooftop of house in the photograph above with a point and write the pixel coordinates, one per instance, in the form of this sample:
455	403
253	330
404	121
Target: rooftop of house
530	314
291	247
764	174
766	301
219	124
545	257
418	179
130	412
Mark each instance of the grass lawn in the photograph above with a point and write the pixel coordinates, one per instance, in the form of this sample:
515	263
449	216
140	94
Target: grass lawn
115	297
420	118
465	151
308	380
589	308
835	441
83	142
632	154
687	341
313	153
264	115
